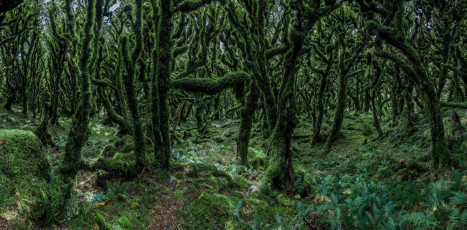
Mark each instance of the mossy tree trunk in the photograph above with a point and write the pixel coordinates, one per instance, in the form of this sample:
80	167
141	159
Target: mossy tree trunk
334	133
375	113
345	62
129	80
411	63
160	83
79	131
161	72
56	65
249	107
279	174
320	101
255	36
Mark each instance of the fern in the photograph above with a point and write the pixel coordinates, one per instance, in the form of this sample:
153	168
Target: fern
417	220
238	209
459	198
457	220
302	215
98	198
115	191
257	222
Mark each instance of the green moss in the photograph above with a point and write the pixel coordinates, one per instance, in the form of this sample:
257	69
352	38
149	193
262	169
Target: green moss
20	150
121	165
208	211
24	177
208	85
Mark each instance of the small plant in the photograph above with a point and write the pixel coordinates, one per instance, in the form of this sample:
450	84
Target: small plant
102	223
302	221
124	222
257	222
116	191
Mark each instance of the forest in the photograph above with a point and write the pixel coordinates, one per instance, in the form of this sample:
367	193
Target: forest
233	114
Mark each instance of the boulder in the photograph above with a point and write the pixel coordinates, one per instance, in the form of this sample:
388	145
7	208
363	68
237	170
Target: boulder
23	168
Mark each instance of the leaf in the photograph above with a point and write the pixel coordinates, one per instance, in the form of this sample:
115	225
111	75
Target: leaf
237	210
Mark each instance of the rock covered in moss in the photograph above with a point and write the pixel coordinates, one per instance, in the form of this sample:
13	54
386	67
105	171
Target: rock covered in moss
21	155
23	167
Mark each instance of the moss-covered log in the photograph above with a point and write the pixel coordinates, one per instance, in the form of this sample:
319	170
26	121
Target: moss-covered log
190	5
454	104
210	86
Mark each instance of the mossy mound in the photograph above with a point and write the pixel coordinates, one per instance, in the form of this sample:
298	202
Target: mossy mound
23	167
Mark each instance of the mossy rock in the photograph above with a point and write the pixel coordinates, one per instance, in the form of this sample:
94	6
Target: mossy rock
23	167
20	150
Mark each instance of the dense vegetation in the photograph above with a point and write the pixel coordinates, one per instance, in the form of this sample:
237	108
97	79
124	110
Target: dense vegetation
233	114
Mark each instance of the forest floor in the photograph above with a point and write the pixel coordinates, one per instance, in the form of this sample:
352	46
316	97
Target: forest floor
364	182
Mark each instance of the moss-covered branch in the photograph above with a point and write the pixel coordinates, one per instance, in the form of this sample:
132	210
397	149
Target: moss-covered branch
208	85
190	5
179	50
397	60
276	51
454	104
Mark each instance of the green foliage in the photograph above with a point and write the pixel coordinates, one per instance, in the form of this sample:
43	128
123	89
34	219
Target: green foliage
46	203
257	221
102	223
213	206
117	191
28	181
124	222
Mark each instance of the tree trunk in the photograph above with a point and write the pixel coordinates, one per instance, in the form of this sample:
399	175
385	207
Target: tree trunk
249	107
376	121
433	112
11	99
339	114
79	131
279	174
24	96
319	120
160	84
